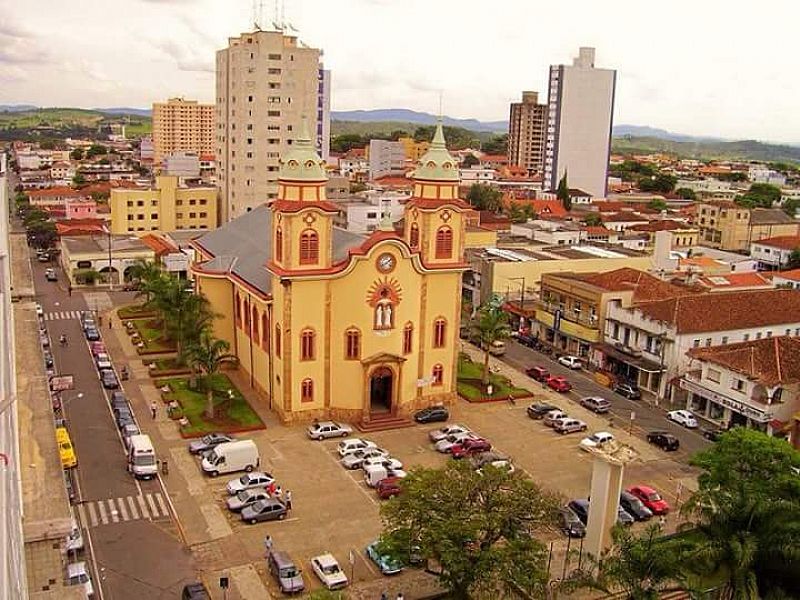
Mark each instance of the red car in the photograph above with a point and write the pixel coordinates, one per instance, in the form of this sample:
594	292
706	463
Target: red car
650	498
388	487
559	384
469	447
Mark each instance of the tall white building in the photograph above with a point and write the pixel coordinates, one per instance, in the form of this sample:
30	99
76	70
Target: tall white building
386	158
267	83
579	120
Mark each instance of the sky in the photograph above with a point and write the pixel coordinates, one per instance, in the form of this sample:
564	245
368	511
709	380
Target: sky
698	68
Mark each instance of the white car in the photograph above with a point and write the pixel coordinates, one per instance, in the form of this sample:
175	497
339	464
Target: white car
103	361
354	460
349	446
443	432
596	440
571	362
387	462
446	445
683	417
78	574
328	571
256	479
328	429
39	311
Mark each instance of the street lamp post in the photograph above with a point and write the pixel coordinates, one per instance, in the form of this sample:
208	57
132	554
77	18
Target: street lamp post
522	296
110	269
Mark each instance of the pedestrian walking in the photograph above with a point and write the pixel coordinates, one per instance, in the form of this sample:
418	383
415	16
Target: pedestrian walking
288	500
109	322
69	290
400	596
662	521
267	545
383	596
100	320
153	409
278	492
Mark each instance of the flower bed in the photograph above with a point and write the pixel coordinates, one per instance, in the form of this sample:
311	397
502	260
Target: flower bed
167	367
136	311
152	337
471	388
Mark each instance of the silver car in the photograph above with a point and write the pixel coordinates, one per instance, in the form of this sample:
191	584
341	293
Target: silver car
443	432
328	429
354	460
246	498
256	479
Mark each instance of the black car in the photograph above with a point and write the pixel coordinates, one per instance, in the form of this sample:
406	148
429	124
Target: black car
208	442
48	360
581	509
195	591
119	401
432	414
634	507
570	524
665	441
123	416
527	340
109	379
712	434
628	390
538	410
92	334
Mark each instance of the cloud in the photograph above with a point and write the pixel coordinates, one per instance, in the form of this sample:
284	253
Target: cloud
18	46
186	60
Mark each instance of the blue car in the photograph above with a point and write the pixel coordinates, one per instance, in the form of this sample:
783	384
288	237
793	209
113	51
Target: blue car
387	564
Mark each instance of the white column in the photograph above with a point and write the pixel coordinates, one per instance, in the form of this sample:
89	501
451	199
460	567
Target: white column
605	490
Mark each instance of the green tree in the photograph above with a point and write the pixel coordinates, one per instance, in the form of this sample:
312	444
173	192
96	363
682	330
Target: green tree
657	204
347	141
35	216
357	186
794	259
735	176
208	354
184	314
78	179
562	193
658	183
592	220
150	277
42	234
470	160
76	154
760	195
476	527
96	150
490	325
790	206
485	197
686	193
497	144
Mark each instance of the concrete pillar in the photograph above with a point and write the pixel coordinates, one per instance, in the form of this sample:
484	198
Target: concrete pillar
604	499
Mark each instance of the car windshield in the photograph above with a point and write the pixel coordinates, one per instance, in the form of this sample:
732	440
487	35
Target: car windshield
144	460
243	495
653	497
259	505
330	569
244	479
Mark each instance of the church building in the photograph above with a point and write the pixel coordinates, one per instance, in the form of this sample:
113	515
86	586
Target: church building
331	324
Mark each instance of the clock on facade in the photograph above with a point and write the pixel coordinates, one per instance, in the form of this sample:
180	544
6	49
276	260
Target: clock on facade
385	263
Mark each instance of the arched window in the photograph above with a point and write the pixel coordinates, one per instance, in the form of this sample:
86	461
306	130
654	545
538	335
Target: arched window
444	242
438	374
439	332
306	390
279	244
352	344
254	334
237	309
309	247
408	338
265	331
278	340
307	343
413	237
247	317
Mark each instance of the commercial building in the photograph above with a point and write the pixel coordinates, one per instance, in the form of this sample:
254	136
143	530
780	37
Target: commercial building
167	206
579	120
385	158
181	125
83	256
267	82
728	226
376	334
527	125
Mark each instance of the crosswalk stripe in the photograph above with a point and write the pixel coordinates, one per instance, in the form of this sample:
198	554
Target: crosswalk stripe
93	515
162	505
123	509
143	506
102	508
132	506
82	515
62	315
152	504
112	510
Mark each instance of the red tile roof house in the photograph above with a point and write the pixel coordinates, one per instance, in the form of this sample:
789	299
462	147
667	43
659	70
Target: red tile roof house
773	253
655	336
751	384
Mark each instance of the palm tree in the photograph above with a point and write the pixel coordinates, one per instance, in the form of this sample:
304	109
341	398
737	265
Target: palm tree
490	325
150	276
208	354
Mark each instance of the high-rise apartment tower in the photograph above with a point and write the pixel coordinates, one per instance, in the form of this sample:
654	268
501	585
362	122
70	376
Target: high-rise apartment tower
527	126
267	83
182	126
579	120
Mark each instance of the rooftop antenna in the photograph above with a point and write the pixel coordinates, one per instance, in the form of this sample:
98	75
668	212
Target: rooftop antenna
441	115
258	13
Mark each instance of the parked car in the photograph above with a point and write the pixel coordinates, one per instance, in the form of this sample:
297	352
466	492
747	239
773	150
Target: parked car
78	574
351	445
207	442
88	322
581	509
683	417
553	416
571	362
569	425
570	524
384	562
432	414
443	432
388	488
446	445
246	498
712	433
117	398
596	440
255	479
356	459
123	416
270	509
128	431
628	390
665	441
328	571
195	591
526	340
43	257
92	334
559	384
103	361
634	507
328	429
651	499
48	359
50	274
596	404
39	310
491	458
624	517
470	447
538	410
97	348
387	462
109	379
538	373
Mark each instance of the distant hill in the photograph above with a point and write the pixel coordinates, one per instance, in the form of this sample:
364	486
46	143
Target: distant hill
724	150
16	107
37	123
403	115
663	134
142	112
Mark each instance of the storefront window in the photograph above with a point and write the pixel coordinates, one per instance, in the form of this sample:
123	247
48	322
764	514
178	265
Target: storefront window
698	404
715	411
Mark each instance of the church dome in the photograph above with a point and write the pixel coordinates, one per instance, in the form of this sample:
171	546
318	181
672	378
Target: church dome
437	164
301	162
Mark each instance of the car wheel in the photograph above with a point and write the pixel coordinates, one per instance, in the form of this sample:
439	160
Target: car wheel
249	468
318	438
281	517
252	521
214	473
345	434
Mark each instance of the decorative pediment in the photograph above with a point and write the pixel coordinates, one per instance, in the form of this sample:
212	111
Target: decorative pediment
382	357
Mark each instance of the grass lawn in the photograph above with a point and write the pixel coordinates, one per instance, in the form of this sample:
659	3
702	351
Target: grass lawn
470	387
169	364
135	312
153	337
232	413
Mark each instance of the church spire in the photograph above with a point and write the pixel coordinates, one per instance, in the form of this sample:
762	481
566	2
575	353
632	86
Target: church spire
301	163
437	164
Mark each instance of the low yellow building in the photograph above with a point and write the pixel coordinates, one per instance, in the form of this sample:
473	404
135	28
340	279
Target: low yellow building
413	149
727	226
168	206
330	323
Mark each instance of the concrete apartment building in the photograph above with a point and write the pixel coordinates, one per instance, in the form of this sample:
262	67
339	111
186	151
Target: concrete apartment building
579	119
386	158
181	125
527	126
267	82
167	206
364	212
727	226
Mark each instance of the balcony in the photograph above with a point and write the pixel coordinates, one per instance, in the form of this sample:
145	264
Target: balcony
583	329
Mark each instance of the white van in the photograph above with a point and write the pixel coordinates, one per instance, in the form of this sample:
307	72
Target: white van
375	473
241	455
142	461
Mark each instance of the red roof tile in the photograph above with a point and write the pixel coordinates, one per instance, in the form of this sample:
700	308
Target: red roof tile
158	244
784	242
768	361
793	274
732	280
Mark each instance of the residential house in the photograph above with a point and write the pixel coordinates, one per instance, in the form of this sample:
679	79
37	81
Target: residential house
728	226
773	253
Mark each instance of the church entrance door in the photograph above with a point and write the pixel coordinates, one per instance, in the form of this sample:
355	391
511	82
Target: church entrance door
380	390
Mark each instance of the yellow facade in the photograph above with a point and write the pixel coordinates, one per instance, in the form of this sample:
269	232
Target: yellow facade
165	207
728	226
413	149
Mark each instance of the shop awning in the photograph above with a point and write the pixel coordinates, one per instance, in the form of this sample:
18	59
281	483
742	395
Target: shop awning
635	361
